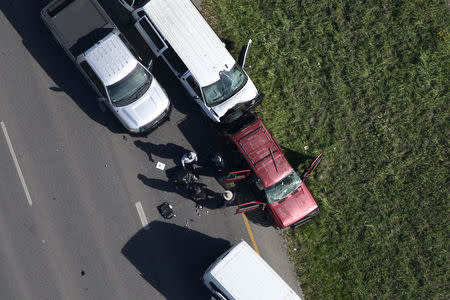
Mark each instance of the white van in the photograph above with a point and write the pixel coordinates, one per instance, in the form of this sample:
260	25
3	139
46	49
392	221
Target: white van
241	274
176	31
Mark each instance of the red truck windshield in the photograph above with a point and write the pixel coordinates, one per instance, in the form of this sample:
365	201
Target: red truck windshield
283	188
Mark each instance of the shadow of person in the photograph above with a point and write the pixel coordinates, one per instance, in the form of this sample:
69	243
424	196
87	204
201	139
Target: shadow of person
169	150
164	185
173	258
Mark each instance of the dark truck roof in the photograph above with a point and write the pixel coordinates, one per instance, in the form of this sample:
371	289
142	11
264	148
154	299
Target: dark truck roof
79	23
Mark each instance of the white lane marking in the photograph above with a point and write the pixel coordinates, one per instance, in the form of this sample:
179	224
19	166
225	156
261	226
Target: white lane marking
142	216
16	163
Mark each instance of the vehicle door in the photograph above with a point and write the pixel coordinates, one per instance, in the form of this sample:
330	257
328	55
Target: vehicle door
193	89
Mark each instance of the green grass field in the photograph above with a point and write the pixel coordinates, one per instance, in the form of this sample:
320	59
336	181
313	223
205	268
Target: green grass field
367	84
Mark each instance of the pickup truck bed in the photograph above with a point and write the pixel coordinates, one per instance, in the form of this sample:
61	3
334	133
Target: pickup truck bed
77	24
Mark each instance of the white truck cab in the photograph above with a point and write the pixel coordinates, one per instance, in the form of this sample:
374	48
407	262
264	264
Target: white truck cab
177	32
241	274
124	84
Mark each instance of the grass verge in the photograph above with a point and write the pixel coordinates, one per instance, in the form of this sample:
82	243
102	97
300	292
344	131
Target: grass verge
367	83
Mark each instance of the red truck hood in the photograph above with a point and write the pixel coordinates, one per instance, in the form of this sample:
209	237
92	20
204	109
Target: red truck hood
294	207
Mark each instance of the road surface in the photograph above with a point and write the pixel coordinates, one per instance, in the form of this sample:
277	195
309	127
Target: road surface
76	190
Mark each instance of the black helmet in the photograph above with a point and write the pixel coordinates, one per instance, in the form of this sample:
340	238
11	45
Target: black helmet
217	160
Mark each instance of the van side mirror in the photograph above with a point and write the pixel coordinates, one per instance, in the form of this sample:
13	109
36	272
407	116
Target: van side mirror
243	55
102	100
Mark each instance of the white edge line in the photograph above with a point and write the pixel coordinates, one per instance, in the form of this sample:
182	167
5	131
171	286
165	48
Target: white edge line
142	216
16	163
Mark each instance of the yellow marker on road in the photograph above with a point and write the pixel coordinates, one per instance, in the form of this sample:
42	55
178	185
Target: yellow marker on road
252	238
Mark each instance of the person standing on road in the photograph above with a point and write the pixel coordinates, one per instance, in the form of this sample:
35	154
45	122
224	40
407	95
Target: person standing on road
188	160
200	193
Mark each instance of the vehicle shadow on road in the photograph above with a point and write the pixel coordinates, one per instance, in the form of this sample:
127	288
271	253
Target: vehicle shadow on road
247	193
37	39
173	258
297	159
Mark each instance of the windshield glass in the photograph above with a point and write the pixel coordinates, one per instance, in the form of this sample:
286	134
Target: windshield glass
283	188
131	85
230	82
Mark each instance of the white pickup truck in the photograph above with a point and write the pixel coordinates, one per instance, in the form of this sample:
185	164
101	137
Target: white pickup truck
108	62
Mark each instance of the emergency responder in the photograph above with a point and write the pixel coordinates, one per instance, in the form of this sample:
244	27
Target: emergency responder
218	163
188	160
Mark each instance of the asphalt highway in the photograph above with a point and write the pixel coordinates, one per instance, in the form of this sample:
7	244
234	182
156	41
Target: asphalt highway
78	195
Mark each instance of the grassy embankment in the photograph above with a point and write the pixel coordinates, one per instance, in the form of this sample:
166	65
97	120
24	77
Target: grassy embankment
367	83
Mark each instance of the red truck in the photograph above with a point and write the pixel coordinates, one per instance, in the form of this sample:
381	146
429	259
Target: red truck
286	199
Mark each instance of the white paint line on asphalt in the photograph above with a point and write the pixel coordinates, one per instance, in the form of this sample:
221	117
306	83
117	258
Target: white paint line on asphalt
16	163
142	216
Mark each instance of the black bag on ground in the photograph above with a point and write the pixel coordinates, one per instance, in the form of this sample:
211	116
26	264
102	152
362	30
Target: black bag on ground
166	210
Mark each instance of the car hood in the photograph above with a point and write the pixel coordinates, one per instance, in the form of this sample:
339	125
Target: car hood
144	110
294	207
247	93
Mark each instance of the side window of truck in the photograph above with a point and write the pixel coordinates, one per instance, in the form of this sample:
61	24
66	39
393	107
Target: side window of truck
94	78
156	41
193	84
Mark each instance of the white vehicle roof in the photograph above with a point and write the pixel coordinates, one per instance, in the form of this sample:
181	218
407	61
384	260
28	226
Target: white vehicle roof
110	59
182	25
245	275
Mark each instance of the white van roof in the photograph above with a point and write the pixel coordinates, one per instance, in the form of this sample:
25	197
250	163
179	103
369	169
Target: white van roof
110	59
182	25
245	275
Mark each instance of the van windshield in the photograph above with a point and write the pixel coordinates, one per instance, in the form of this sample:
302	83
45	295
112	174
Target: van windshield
131	87
283	188
230	83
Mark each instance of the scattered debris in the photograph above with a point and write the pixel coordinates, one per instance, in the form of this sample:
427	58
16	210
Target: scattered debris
160	165
306	147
